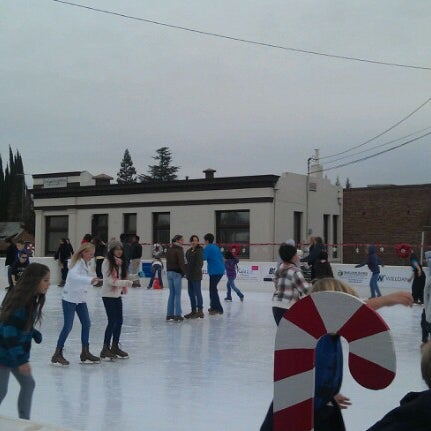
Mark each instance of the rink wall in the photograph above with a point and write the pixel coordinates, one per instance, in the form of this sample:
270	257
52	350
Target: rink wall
257	276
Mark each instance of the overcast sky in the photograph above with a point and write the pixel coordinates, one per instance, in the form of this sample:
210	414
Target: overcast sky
79	87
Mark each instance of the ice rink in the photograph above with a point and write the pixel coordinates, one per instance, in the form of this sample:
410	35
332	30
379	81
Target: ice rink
211	374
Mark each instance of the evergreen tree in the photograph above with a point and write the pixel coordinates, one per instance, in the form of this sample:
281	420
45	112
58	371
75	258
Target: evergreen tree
337	181
163	171
2	192
127	172
348	184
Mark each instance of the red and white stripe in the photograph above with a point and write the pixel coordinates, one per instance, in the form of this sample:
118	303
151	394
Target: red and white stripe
372	360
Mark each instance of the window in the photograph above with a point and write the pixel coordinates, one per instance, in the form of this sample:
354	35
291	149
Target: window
129	224
233	227
326	218
99	226
56	227
161	228
297	226
335	236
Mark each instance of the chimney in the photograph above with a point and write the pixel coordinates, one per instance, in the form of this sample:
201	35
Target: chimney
209	173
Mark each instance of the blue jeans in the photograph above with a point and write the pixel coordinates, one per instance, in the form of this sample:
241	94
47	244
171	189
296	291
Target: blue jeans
114	312
230	285
174	301
157	271
375	291
214	298
195	294
69	309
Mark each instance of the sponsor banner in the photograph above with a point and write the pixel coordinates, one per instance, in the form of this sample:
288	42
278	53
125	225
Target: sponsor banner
247	271
390	276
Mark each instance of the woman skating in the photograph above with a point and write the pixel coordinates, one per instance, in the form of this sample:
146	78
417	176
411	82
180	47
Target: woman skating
115	284
20	311
79	278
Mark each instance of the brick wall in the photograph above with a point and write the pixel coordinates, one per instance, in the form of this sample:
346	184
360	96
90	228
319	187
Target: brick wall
386	215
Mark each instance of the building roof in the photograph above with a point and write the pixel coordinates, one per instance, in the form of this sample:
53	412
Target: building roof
58	174
188	185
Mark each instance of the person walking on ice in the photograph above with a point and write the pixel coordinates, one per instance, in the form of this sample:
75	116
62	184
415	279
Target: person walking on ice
21	310
373	262
231	265
79	278
115	284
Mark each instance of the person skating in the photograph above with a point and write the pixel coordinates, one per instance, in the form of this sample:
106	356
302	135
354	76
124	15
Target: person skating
231	265
373	262
79	278
21	310
176	269
194	257
115	284
216	269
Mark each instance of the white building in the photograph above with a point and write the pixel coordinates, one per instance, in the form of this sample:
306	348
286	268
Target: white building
254	212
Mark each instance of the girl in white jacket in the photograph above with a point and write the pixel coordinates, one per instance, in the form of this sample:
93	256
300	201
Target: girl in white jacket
115	284
79	278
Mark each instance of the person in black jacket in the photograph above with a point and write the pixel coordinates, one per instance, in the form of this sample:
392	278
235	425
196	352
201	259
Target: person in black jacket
316	246
11	257
414	413
63	254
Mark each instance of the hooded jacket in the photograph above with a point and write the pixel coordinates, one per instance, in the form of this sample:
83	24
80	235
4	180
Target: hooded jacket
373	261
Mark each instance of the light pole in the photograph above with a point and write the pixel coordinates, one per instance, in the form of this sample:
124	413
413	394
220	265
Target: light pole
307	204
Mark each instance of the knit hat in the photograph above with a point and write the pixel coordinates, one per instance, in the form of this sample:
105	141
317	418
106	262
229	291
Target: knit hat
114	244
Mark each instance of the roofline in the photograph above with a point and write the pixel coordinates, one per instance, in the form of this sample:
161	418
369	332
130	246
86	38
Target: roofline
58	174
201	184
387	186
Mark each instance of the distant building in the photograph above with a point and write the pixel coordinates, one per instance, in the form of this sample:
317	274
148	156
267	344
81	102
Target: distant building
254	212
386	215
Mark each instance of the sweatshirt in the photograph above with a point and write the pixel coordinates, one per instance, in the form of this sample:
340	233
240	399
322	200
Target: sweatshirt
78	281
214	258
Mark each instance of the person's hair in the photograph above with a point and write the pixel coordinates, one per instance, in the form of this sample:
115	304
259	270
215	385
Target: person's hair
287	252
228	255
332	285
426	363
113	266
20	241
318	240
192	237
137	238
209	237
23	253
176	238
413	256
86	246
87	237
63	240
8	241
26	295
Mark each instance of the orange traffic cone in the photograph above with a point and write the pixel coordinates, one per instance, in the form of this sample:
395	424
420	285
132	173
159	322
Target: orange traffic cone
156	284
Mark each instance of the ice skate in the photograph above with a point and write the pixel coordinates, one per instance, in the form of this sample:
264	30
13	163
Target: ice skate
58	358
121	354
106	354
87	358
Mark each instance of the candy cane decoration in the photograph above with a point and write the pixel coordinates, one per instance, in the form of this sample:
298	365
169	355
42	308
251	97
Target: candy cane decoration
371	352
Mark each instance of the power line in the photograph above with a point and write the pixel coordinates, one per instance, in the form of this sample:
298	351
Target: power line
374	155
380	134
238	39
380	145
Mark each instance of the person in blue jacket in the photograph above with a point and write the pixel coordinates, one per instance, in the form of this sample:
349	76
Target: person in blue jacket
373	262
215	268
20	312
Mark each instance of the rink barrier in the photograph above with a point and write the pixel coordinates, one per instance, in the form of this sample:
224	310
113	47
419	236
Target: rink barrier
258	276
372	360
12	424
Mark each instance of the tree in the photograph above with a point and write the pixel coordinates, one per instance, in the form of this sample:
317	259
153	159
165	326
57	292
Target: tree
348	184
163	171
337	181
127	172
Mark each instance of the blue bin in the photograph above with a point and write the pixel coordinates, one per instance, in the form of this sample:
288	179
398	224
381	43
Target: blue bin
146	269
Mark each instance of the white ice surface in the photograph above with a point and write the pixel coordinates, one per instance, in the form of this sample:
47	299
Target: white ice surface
210	374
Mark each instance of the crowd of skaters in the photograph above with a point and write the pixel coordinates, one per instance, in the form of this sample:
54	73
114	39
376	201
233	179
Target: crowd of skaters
22	306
